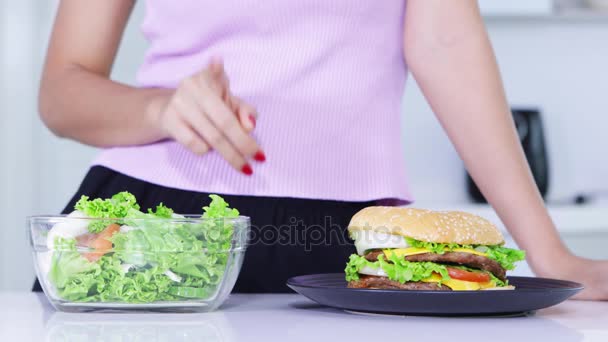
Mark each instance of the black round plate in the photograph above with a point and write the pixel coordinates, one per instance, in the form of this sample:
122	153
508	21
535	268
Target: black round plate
530	294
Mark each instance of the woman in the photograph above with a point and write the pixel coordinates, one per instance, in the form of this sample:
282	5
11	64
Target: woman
326	78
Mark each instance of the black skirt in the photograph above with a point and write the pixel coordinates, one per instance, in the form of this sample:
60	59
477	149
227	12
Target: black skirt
289	237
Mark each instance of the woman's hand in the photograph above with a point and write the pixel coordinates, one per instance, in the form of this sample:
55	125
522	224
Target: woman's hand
593	274
202	115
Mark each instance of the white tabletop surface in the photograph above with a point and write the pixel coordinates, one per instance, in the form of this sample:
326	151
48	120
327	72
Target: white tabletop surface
29	317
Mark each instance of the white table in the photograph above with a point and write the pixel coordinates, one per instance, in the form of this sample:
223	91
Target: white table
28	317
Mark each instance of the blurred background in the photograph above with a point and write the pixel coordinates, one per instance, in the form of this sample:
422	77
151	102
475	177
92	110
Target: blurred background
553	56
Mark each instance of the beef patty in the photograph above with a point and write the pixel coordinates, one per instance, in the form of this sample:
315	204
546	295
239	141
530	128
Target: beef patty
374	282
460	258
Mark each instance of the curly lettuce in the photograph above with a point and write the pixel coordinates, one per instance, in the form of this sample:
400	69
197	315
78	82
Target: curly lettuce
161	211
69	269
506	257
112	208
108	281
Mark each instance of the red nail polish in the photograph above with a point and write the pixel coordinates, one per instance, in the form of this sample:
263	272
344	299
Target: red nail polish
260	156
247	170
252	119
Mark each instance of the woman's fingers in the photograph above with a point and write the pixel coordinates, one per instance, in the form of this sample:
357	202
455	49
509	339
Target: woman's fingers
247	116
191	112
183	133
226	122
217	125
216	66
246	113
217	140
217	78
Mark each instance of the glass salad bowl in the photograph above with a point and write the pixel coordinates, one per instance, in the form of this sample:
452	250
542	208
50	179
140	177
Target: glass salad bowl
178	264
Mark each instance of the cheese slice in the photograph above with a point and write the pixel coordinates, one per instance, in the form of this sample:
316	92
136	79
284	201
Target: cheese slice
403	252
470	251
459	285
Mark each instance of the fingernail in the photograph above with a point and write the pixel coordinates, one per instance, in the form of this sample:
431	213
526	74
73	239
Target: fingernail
260	156
252	119
247	170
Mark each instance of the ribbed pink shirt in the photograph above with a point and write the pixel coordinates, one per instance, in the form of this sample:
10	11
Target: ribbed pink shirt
327	77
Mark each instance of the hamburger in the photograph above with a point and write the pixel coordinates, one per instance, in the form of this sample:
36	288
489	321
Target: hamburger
417	249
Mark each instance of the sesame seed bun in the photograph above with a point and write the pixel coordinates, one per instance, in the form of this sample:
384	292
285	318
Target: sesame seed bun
427	225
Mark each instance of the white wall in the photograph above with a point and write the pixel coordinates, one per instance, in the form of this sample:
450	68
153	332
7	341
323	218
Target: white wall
17	168
557	65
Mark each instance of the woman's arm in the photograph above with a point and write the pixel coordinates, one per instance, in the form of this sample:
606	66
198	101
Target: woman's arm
79	101
451	58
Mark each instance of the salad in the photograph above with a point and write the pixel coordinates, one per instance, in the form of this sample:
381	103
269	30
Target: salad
113	252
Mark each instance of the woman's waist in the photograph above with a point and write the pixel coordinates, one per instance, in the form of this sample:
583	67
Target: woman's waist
325	153
308	170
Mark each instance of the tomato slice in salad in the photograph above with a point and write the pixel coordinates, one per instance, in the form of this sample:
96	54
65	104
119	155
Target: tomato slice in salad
85	240
99	242
460	274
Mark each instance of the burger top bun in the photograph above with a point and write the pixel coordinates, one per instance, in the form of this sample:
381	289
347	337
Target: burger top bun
427	225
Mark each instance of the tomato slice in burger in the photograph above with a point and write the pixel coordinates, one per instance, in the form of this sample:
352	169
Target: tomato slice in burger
477	277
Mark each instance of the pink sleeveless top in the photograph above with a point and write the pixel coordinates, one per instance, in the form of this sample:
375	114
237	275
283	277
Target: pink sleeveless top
327	78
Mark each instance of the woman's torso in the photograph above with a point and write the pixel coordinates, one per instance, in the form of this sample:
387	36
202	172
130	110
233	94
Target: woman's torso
327	78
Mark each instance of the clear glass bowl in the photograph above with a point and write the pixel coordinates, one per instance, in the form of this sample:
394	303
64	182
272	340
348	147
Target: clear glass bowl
183	264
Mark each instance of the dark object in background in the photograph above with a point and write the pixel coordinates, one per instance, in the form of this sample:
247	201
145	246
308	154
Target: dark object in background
530	131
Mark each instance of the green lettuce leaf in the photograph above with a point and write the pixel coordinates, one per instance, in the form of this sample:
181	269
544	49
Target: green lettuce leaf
66	262
435	247
216	232
398	269
497	281
131	246
109	282
116	207
161	211
506	257
138	286
218	208
155	241
215	236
